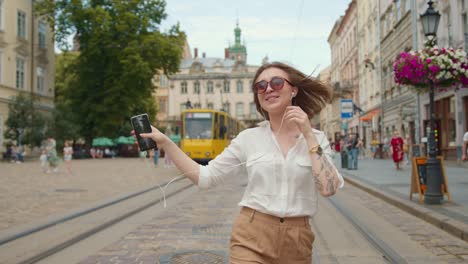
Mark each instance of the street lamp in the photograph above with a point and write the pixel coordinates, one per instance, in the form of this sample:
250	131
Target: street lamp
433	195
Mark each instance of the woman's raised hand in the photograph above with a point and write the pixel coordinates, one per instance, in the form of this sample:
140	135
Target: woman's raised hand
299	117
156	136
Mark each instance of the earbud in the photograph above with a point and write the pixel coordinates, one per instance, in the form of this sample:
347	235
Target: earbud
292	95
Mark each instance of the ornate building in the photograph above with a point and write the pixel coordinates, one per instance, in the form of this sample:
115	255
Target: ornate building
26	58
213	83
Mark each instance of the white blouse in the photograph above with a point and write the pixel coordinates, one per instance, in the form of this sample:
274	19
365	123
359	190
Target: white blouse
277	185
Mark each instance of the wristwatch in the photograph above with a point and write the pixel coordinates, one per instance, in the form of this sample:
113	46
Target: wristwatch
317	149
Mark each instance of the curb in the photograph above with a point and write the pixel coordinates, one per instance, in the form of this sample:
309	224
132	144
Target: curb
451	226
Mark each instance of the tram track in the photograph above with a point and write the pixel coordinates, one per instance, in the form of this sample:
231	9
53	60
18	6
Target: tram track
44	240
388	253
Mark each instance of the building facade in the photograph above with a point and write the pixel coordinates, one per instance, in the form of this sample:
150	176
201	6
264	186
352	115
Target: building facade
398	102
27	58
451	106
343	72
215	83
369	61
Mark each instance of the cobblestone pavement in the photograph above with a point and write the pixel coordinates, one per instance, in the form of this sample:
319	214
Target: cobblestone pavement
27	194
197	230
449	248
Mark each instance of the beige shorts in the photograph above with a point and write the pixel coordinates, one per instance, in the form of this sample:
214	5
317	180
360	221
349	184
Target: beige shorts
262	238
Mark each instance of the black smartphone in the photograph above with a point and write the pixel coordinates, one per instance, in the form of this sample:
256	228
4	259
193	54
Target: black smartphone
141	124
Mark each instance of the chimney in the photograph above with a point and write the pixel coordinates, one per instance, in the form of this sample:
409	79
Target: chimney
195	53
204	55
226	53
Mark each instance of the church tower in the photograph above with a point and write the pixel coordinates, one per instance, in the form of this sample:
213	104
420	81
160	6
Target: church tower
238	51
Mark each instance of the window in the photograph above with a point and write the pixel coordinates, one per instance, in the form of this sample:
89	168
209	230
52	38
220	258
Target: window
197	105
42	31
252	110
407	5
452	126
2	14
1	67
209	105
20	68
183	88
163	81
240	110
398	10
40	80
227	107
162	105
21	24
448	21
464	23
183	107
209	87
196	87
240	87
226	88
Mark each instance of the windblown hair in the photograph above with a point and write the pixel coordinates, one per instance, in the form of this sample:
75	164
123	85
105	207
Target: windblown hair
312	94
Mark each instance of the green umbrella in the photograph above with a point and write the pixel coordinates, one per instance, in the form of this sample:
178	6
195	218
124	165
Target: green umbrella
103	142
121	140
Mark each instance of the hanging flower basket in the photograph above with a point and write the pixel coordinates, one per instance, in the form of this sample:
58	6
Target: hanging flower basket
445	67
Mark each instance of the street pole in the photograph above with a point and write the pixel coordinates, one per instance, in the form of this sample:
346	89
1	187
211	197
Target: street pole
433	195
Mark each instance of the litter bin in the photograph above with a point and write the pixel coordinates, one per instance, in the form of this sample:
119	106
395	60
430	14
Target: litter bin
344	159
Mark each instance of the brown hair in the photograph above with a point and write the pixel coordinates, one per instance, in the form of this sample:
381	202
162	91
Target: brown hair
312	94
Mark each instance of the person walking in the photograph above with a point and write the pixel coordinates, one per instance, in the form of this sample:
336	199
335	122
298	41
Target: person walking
52	154
465	146
397	149
67	156
287	162
155	157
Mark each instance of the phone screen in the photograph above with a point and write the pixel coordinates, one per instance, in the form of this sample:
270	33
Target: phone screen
141	124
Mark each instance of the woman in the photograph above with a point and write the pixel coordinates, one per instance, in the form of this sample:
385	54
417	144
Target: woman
286	162
397	149
67	156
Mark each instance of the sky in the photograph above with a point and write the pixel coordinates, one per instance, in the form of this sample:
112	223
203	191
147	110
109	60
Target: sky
291	31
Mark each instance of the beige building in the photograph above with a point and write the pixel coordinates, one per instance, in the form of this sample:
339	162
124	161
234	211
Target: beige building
328	112
26	57
396	36
214	83
344	73
368	67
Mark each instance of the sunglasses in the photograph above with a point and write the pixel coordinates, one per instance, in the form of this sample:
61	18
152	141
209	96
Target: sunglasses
276	83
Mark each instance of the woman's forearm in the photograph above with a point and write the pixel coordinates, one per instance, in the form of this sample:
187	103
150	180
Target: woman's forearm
184	163
324	172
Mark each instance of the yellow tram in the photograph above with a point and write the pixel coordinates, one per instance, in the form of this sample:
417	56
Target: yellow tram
206	132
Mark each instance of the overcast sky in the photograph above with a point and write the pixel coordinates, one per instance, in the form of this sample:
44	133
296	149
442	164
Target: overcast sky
292	31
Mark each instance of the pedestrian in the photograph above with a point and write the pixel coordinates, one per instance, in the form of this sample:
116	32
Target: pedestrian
386	147
406	148
374	146
286	161
361	150
353	151
43	160
52	154
397	149
67	156
167	156
465	146
156	157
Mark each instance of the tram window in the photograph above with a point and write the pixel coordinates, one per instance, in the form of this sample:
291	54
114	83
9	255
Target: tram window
198	126
215	136
222	127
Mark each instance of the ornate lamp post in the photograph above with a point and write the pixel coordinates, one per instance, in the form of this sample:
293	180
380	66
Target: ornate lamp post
433	195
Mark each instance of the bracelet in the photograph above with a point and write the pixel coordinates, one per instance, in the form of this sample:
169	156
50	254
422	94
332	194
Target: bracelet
316	149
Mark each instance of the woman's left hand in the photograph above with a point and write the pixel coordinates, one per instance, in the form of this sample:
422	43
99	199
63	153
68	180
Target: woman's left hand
299	117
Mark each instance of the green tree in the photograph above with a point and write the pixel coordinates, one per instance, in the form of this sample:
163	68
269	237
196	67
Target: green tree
65	125
120	49
25	124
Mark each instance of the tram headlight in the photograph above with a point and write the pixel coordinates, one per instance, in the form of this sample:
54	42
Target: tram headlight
207	153
188	153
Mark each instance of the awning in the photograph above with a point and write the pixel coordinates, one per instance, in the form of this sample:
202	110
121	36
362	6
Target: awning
368	116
